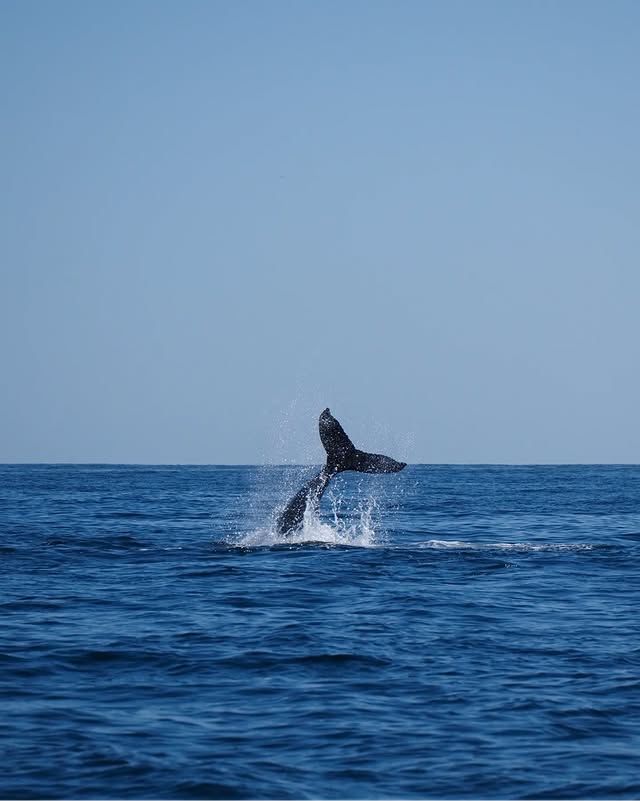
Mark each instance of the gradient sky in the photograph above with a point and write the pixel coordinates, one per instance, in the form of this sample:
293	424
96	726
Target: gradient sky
219	217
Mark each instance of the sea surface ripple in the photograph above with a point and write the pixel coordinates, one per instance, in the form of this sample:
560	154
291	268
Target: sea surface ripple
449	632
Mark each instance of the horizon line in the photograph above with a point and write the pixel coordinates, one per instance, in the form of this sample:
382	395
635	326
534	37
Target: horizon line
309	464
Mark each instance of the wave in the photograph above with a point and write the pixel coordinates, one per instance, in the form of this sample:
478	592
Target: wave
506	546
97	542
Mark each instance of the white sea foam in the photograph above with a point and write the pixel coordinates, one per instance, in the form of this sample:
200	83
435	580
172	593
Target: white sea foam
505	546
359	533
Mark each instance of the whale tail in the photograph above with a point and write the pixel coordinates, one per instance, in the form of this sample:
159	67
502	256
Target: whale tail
343	455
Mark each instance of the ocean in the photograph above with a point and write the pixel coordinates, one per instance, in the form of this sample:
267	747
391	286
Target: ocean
446	632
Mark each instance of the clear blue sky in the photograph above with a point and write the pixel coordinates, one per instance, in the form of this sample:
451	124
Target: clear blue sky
218	217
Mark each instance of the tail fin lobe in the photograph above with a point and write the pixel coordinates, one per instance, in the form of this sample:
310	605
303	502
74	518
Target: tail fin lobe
374	463
336	443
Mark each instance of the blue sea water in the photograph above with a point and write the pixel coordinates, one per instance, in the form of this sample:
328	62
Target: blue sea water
447	632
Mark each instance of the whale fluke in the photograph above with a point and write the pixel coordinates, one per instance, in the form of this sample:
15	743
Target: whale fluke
341	455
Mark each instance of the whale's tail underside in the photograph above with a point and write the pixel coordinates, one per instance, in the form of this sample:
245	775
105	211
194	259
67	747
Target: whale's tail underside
343	455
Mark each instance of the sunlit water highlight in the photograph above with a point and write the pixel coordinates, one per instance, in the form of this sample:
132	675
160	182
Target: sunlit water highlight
448	632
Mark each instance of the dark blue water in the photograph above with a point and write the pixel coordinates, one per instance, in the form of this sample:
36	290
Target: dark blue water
449	632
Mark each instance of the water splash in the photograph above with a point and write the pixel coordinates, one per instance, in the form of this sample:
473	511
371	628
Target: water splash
359	532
